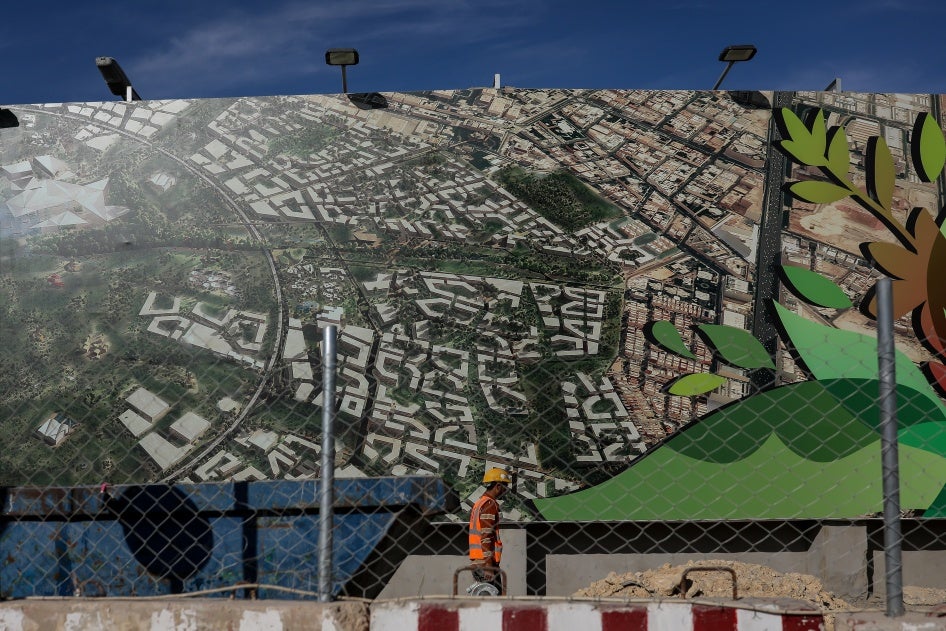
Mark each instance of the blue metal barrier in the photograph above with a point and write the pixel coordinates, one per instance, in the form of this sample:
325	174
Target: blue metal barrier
162	539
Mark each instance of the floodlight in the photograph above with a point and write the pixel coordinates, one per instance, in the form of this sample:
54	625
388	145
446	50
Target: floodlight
732	54
343	57
116	79
742	52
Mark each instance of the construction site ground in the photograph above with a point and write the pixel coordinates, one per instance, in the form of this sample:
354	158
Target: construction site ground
753	581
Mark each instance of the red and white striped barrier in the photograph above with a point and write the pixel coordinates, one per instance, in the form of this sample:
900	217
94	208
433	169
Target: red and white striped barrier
512	615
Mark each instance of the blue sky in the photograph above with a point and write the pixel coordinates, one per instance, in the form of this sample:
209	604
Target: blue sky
212	48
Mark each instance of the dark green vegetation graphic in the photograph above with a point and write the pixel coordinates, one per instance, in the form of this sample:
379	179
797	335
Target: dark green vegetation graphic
80	350
666	335
562	198
797	442
736	346
312	138
814	288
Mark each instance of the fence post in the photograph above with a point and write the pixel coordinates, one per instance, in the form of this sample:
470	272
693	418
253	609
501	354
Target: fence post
327	482
893	538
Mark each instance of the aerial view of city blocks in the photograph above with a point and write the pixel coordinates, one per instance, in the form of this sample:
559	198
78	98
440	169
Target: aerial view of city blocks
647	304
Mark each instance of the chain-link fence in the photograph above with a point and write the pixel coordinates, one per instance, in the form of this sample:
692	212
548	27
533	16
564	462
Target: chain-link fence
655	308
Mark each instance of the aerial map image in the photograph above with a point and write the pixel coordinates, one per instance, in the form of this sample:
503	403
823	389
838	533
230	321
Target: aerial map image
647	304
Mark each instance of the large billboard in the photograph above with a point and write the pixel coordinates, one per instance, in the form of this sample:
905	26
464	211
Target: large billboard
649	304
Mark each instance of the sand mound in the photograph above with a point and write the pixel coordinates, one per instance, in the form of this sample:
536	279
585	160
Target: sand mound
753	581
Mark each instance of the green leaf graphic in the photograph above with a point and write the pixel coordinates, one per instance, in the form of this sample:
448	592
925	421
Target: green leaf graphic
839	156
668	337
928	148
696	383
736	346
818	192
819	132
804	145
831	353
796	128
814	288
881	174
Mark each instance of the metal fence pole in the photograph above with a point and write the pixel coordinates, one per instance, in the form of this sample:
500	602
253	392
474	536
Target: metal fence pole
326	485
893	538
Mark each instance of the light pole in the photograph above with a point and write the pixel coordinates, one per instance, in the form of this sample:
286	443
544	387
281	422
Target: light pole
343	57
732	54
116	79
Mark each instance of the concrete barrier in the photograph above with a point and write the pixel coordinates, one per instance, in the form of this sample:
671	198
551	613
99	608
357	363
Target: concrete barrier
877	621
109	614
465	614
440	614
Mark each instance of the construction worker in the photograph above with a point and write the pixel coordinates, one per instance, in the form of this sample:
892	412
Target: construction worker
486	546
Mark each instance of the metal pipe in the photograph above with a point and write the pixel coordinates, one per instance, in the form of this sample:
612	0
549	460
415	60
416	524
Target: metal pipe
893	538
723	76
327	482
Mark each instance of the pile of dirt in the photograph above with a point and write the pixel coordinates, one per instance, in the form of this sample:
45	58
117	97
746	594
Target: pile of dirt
753	581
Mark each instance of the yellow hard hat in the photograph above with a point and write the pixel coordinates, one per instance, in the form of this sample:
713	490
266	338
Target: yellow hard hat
497	475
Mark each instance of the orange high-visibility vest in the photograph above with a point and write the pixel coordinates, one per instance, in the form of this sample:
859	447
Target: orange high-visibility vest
476	532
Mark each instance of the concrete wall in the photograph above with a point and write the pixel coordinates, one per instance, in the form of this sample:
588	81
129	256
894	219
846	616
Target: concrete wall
838	556
559	559
923	557
432	575
920	569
